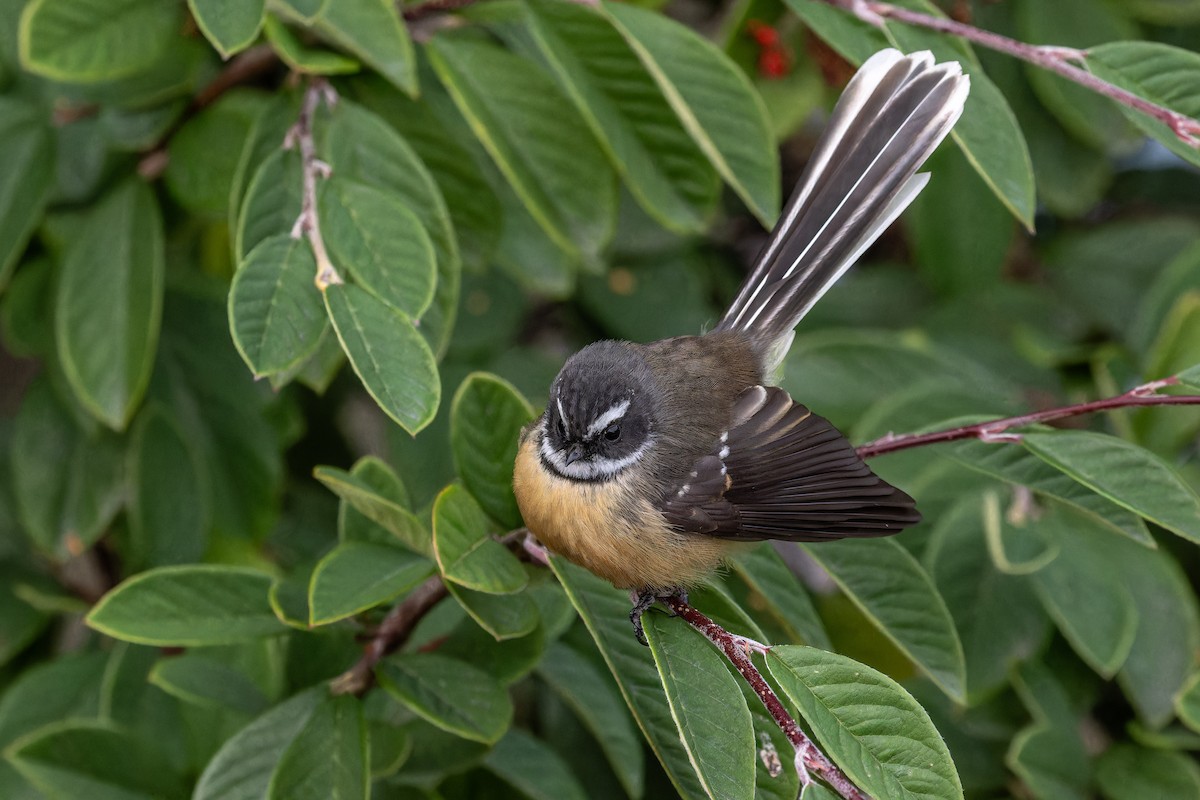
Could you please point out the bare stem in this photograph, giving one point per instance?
(301, 136)
(392, 633)
(1055, 59)
(809, 758)
(996, 430)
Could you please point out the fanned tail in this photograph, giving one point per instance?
(892, 115)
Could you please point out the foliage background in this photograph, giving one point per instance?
(564, 174)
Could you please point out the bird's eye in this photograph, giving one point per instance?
(562, 428)
(612, 432)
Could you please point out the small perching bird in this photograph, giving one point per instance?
(651, 461)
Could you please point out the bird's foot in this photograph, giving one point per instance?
(642, 600)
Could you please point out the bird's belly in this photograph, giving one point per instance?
(596, 526)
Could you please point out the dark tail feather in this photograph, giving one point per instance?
(892, 115)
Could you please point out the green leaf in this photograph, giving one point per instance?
(169, 510)
(1164, 12)
(1127, 772)
(305, 11)
(373, 475)
(66, 688)
(1018, 466)
(1104, 463)
(1084, 592)
(310, 60)
(187, 606)
(594, 699)
(714, 724)
(27, 181)
(231, 25)
(367, 495)
(374, 236)
(485, 424)
(95, 759)
(85, 41)
(109, 303)
(504, 616)
(507, 661)
(536, 138)
(466, 552)
(533, 768)
(899, 598)
(356, 576)
(389, 356)
(206, 681)
(1187, 703)
(713, 99)
(373, 31)
(867, 724)
(206, 152)
(363, 148)
(782, 595)
(452, 695)
(1159, 73)
(272, 202)
(275, 312)
(619, 100)
(20, 623)
(242, 769)
(328, 758)
(605, 611)
(1048, 755)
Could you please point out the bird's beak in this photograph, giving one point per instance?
(574, 453)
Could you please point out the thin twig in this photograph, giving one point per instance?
(809, 758)
(392, 633)
(301, 136)
(996, 430)
(1055, 59)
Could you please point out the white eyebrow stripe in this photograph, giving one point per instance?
(607, 418)
(562, 415)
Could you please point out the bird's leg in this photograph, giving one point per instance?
(642, 599)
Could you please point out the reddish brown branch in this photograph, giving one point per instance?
(996, 430)
(809, 758)
(391, 634)
(1054, 59)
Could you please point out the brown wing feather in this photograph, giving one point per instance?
(782, 472)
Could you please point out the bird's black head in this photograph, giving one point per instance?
(599, 419)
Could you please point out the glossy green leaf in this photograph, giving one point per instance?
(466, 552)
(188, 606)
(374, 476)
(664, 169)
(605, 611)
(26, 183)
(504, 616)
(362, 147)
(374, 236)
(378, 504)
(506, 660)
(1085, 593)
(200, 679)
(1103, 464)
(97, 760)
(1127, 772)
(485, 423)
(454, 696)
(373, 31)
(867, 724)
(109, 304)
(305, 11)
(169, 509)
(1187, 702)
(714, 724)
(782, 595)
(275, 312)
(95, 40)
(1160, 73)
(390, 357)
(272, 202)
(532, 767)
(301, 58)
(356, 576)
(898, 596)
(595, 700)
(1048, 755)
(231, 25)
(538, 141)
(713, 99)
(63, 689)
(1018, 466)
(242, 769)
(328, 758)
(206, 152)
